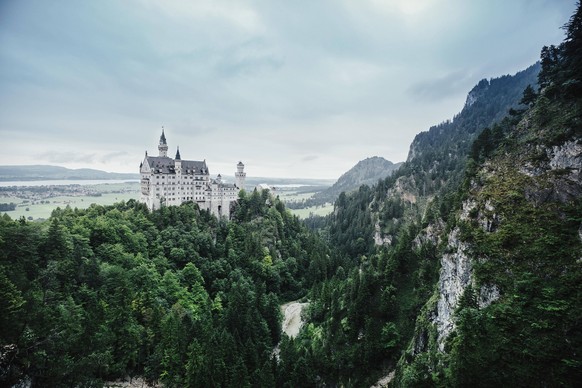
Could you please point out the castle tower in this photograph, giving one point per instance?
(178, 162)
(240, 175)
(163, 146)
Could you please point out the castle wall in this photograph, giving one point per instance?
(171, 182)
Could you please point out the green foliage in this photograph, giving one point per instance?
(561, 74)
(175, 295)
(364, 313)
(366, 317)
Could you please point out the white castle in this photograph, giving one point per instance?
(166, 181)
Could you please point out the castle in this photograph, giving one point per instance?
(166, 181)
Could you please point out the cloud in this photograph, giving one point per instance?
(451, 84)
(276, 84)
(309, 158)
(67, 157)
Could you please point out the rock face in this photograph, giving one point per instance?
(566, 156)
(455, 276)
(378, 238)
(558, 178)
(477, 92)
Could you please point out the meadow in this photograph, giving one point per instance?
(35, 206)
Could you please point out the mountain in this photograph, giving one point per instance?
(506, 306)
(463, 267)
(388, 242)
(431, 175)
(43, 172)
(366, 172)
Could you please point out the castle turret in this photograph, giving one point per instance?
(178, 162)
(163, 146)
(240, 175)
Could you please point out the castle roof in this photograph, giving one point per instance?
(166, 165)
(221, 184)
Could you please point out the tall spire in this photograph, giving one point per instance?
(163, 146)
(163, 137)
(178, 154)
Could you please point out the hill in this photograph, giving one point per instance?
(44, 172)
(366, 172)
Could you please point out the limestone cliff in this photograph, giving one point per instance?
(519, 223)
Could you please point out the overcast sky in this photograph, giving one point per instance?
(292, 88)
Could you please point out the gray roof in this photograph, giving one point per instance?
(166, 165)
(223, 185)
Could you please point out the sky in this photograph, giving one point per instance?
(294, 89)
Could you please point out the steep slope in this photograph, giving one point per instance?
(389, 241)
(426, 183)
(507, 304)
(510, 277)
(463, 267)
(438, 155)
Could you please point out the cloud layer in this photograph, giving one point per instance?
(294, 89)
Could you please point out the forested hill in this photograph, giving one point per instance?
(439, 154)
(506, 308)
(175, 295)
(462, 269)
(435, 165)
(365, 172)
(389, 236)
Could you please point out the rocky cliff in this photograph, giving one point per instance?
(509, 258)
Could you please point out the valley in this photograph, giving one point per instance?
(459, 267)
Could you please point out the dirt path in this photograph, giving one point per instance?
(292, 321)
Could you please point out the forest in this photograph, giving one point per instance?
(174, 296)
(462, 268)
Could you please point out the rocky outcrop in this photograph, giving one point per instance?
(477, 92)
(557, 177)
(379, 239)
(455, 276)
(566, 156)
(432, 234)
(404, 188)
(456, 272)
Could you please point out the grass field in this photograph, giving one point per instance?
(110, 194)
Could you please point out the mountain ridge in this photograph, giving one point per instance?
(50, 172)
